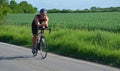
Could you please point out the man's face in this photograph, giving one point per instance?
(44, 13)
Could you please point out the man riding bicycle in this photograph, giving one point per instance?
(40, 21)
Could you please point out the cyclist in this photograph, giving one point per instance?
(40, 21)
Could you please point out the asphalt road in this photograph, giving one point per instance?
(16, 58)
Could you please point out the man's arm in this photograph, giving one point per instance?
(46, 21)
(37, 21)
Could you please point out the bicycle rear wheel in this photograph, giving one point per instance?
(43, 47)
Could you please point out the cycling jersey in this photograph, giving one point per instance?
(34, 26)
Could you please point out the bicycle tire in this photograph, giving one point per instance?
(36, 48)
(43, 47)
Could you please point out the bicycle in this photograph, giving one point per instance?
(41, 44)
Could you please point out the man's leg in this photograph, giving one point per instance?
(34, 39)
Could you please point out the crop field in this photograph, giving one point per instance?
(89, 36)
(108, 21)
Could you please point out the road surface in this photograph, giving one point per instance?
(16, 58)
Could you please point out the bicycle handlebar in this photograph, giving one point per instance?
(46, 29)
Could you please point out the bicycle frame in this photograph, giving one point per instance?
(42, 32)
(42, 43)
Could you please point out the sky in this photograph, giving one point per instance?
(72, 4)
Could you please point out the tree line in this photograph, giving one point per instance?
(12, 6)
(7, 6)
(92, 9)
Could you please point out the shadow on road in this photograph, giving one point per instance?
(14, 57)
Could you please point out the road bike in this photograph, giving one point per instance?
(41, 45)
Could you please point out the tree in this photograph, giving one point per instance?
(13, 5)
(22, 7)
(4, 2)
(4, 9)
(54, 11)
(93, 8)
(27, 8)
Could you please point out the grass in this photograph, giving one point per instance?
(15, 35)
(97, 46)
(19, 19)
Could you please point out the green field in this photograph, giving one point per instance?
(89, 36)
(108, 21)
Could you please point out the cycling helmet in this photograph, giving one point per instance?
(43, 10)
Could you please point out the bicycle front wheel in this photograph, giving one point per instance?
(43, 47)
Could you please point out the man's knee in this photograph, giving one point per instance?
(35, 36)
